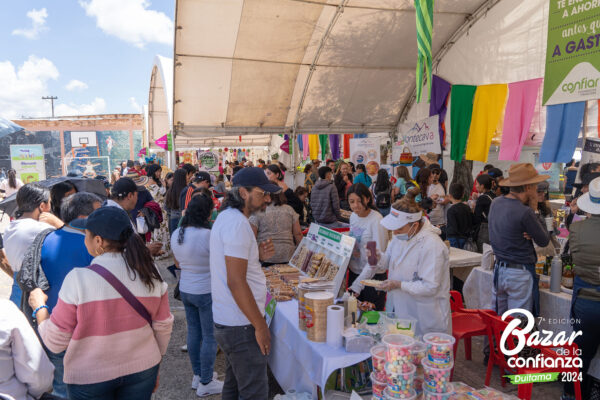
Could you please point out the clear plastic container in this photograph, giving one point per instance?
(398, 348)
(437, 380)
(411, 395)
(400, 380)
(394, 324)
(378, 387)
(378, 356)
(418, 351)
(439, 349)
(427, 395)
(358, 344)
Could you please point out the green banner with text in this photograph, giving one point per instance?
(533, 378)
(573, 53)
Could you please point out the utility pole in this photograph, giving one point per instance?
(51, 98)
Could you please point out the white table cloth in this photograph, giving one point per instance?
(462, 262)
(555, 308)
(296, 362)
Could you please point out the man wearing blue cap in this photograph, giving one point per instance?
(239, 288)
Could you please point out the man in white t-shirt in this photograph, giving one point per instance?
(239, 287)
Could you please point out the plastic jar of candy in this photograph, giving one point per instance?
(418, 351)
(378, 387)
(397, 349)
(427, 395)
(439, 349)
(437, 380)
(378, 357)
(401, 380)
(411, 395)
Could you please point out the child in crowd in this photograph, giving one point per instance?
(460, 218)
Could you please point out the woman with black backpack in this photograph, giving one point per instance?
(382, 192)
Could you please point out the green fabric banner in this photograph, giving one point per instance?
(573, 53)
(461, 111)
(324, 142)
(424, 14)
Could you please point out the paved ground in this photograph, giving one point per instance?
(176, 373)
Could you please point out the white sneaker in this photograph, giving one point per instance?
(214, 387)
(196, 380)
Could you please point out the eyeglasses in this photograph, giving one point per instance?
(263, 193)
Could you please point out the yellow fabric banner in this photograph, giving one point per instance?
(313, 146)
(488, 107)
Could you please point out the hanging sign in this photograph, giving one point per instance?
(364, 150)
(285, 147)
(572, 61)
(208, 161)
(28, 161)
(422, 138)
(165, 142)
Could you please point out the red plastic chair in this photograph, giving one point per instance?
(495, 328)
(465, 324)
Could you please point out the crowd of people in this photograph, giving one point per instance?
(85, 276)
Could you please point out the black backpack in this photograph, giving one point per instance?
(383, 199)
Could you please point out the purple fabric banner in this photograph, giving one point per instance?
(438, 105)
(334, 145)
(520, 108)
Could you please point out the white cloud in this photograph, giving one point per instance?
(134, 104)
(38, 24)
(75, 84)
(97, 106)
(23, 87)
(130, 21)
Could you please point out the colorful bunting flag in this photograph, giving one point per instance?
(438, 104)
(424, 13)
(461, 99)
(563, 124)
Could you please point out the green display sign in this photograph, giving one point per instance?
(573, 53)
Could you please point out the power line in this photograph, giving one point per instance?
(51, 98)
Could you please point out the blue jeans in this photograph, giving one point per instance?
(513, 288)
(59, 388)
(173, 223)
(138, 386)
(456, 242)
(245, 365)
(202, 346)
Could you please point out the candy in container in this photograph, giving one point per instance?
(437, 380)
(411, 395)
(400, 380)
(439, 349)
(378, 357)
(427, 395)
(397, 349)
(378, 387)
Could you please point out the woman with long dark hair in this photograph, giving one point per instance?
(276, 175)
(172, 199)
(362, 176)
(113, 345)
(191, 249)
(59, 192)
(11, 184)
(365, 227)
(32, 217)
(158, 190)
(343, 181)
(382, 192)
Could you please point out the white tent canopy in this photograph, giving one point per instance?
(255, 67)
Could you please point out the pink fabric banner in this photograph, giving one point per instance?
(517, 117)
(305, 150)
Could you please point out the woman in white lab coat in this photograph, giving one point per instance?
(416, 259)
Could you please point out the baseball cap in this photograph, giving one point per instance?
(254, 176)
(203, 176)
(495, 173)
(123, 187)
(396, 219)
(111, 223)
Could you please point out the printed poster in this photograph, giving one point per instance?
(422, 138)
(28, 161)
(590, 153)
(366, 151)
(553, 169)
(572, 57)
(209, 161)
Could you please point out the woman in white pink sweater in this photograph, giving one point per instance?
(112, 318)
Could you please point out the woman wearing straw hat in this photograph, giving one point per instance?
(513, 225)
(585, 304)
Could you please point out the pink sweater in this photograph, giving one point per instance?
(104, 336)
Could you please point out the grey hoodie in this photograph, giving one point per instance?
(325, 202)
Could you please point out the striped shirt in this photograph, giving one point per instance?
(104, 337)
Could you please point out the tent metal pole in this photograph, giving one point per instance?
(585, 121)
(464, 28)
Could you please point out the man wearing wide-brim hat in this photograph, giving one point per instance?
(513, 225)
(585, 310)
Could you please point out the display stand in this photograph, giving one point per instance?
(335, 246)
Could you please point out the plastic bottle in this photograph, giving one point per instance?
(567, 277)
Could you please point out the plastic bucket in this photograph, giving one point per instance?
(378, 387)
(378, 356)
(427, 395)
(439, 349)
(398, 348)
(411, 395)
(436, 380)
(401, 380)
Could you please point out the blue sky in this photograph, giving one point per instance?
(95, 55)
